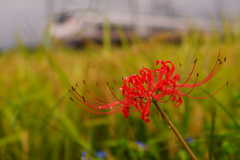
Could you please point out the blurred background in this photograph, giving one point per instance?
(46, 46)
(29, 20)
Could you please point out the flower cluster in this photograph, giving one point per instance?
(140, 90)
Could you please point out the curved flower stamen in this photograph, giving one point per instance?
(215, 69)
(93, 108)
(191, 73)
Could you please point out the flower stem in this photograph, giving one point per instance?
(175, 131)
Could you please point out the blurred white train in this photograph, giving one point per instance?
(140, 17)
(77, 27)
(76, 20)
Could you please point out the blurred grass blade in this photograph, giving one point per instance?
(106, 36)
(57, 68)
(211, 137)
(72, 131)
(10, 139)
(224, 108)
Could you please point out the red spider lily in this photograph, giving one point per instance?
(139, 91)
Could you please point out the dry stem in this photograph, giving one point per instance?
(175, 131)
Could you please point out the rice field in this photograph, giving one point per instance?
(38, 121)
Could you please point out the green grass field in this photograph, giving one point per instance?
(38, 121)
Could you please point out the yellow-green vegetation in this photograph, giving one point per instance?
(38, 121)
